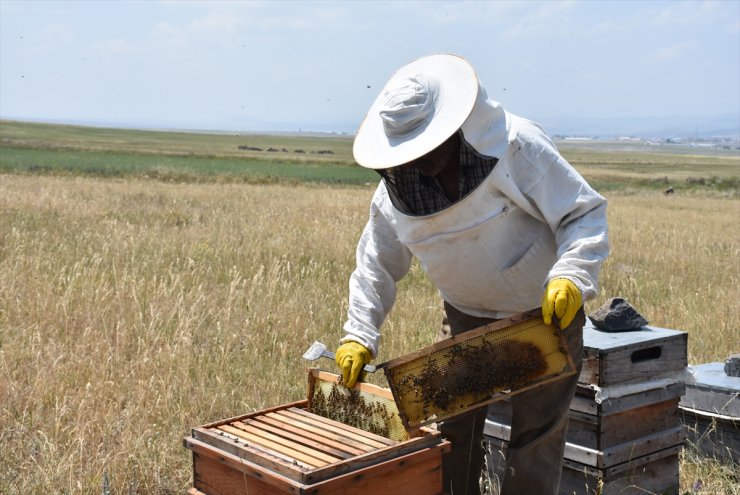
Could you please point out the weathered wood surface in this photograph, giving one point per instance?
(415, 473)
(300, 403)
(602, 431)
(649, 476)
(216, 471)
(288, 450)
(584, 400)
(605, 431)
(654, 473)
(610, 358)
(611, 456)
(712, 435)
(713, 391)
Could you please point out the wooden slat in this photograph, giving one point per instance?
(464, 337)
(417, 473)
(321, 431)
(305, 438)
(371, 458)
(642, 477)
(300, 403)
(369, 388)
(614, 455)
(288, 441)
(239, 444)
(603, 432)
(215, 478)
(584, 400)
(273, 447)
(300, 429)
(245, 469)
(366, 436)
(277, 462)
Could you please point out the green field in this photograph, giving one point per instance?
(143, 293)
(198, 157)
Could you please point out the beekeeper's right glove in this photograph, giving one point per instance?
(561, 301)
(351, 357)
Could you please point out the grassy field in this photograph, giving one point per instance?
(132, 309)
(192, 157)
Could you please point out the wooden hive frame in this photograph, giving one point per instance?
(526, 328)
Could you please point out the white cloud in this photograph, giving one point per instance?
(690, 13)
(165, 34)
(114, 47)
(221, 22)
(56, 34)
(539, 20)
(669, 53)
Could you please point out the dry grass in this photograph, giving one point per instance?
(675, 259)
(133, 310)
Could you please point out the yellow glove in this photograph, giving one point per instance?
(351, 357)
(562, 299)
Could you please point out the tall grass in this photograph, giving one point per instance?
(133, 310)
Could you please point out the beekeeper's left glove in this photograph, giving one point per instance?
(351, 357)
(562, 300)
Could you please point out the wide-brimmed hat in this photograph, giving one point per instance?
(423, 104)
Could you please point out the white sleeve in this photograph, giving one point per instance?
(381, 262)
(576, 214)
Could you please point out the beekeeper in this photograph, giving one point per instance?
(499, 221)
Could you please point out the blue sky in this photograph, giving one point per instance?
(265, 65)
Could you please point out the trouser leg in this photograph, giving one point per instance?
(461, 467)
(539, 420)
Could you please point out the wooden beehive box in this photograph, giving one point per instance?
(710, 411)
(657, 472)
(585, 399)
(650, 465)
(610, 358)
(289, 450)
(616, 428)
(627, 443)
(610, 457)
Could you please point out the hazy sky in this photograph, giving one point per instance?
(255, 64)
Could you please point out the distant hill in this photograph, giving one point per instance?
(722, 126)
(725, 126)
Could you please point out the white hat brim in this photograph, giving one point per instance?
(458, 89)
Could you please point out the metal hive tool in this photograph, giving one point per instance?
(476, 368)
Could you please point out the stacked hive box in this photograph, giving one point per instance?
(624, 432)
(710, 411)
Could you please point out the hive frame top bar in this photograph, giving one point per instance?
(463, 337)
